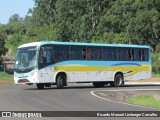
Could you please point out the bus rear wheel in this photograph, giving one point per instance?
(40, 85)
(98, 84)
(60, 81)
(118, 81)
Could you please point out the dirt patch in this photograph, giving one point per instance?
(122, 96)
(2, 82)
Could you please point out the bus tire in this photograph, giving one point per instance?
(60, 81)
(40, 86)
(118, 81)
(98, 84)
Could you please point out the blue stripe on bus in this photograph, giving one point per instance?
(101, 63)
(126, 64)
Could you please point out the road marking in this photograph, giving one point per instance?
(92, 92)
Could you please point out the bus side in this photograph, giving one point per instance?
(93, 64)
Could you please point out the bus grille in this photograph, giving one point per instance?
(23, 80)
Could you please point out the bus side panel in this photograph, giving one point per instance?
(80, 72)
(46, 75)
(89, 76)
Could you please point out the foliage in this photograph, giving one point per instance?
(154, 75)
(128, 21)
(100, 21)
(156, 63)
(2, 43)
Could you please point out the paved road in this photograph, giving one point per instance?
(72, 98)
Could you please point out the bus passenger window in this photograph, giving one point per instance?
(131, 54)
(84, 53)
(146, 54)
(141, 55)
(48, 56)
(88, 54)
(43, 55)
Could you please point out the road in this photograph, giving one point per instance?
(72, 98)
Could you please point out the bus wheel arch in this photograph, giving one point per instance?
(118, 79)
(61, 80)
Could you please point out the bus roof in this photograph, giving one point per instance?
(79, 44)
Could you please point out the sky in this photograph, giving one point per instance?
(11, 7)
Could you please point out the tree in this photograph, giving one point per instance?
(44, 12)
(145, 25)
(2, 43)
(15, 25)
(105, 21)
(15, 18)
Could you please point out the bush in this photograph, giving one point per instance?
(156, 63)
(0, 60)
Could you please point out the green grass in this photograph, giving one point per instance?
(5, 78)
(155, 75)
(145, 100)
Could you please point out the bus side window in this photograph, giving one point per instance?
(146, 54)
(48, 55)
(84, 53)
(42, 55)
(106, 53)
(136, 55)
(113, 54)
(45, 55)
(75, 53)
(121, 54)
(98, 53)
(95, 53)
(88, 54)
(131, 54)
(141, 54)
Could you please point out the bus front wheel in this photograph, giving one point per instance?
(60, 81)
(118, 81)
(40, 85)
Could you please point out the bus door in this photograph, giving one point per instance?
(45, 62)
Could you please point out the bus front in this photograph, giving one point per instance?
(25, 71)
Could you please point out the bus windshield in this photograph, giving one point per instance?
(26, 59)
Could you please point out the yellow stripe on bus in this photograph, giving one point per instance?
(101, 68)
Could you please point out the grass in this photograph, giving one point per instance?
(5, 78)
(144, 100)
(155, 75)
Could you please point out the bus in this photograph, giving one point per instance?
(59, 63)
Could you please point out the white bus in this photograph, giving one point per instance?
(60, 63)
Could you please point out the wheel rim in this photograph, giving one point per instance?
(118, 80)
(61, 81)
